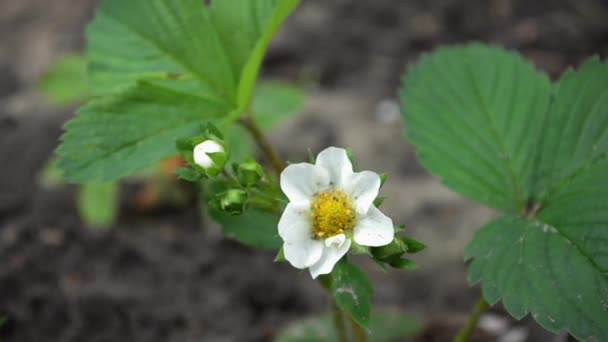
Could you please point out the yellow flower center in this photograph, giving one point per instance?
(332, 214)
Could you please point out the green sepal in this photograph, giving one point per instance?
(311, 157)
(351, 157)
(412, 245)
(187, 174)
(404, 264)
(358, 249)
(233, 201)
(219, 160)
(210, 131)
(385, 253)
(280, 257)
(383, 178)
(378, 201)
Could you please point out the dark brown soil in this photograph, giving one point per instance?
(159, 276)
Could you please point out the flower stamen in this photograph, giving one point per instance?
(332, 214)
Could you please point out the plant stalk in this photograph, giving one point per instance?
(358, 331)
(467, 330)
(338, 322)
(271, 155)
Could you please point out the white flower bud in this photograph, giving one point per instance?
(200, 153)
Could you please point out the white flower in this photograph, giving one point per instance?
(330, 205)
(200, 153)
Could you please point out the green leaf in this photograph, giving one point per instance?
(575, 134)
(385, 326)
(352, 291)
(118, 135)
(274, 101)
(475, 114)
(66, 82)
(537, 267)
(136, 39)
(494, 130)
(253, 227)
(98, 203)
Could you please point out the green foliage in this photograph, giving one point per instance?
(98, 203)
(384, 326)
(497, 131)
(352, 291)
(253, 227)
(65, 83)
(117, 135)
(159, 68)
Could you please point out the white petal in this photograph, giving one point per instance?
(295, 223)
(331, 255)
(374, 229)
(200, 152)
(302, 181)
(304, 253)
(335, 241)
(363, 188)
(336, 162)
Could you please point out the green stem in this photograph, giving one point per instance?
(358, 331)
(271, 155)
(467, 330)
(338, 321)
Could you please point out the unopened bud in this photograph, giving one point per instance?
(250, 173)
(210, 155)
(233, 201)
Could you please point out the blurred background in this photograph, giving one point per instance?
(159, 274)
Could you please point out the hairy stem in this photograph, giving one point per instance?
(271, 155)
(467, 330)
(338, 322)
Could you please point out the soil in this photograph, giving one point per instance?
(166, 274)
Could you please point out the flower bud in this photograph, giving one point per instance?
(210, 155)
(249, 173)
(233, 201)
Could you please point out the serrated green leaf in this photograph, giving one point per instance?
(115, 136)
(539, 268)
(275, 101)
(253, 227)
(575, 134)
(551, 263)
(352, 291)
(66, 81)
(475, 114)
(385, 326)
(136, 39)
(98, 204)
